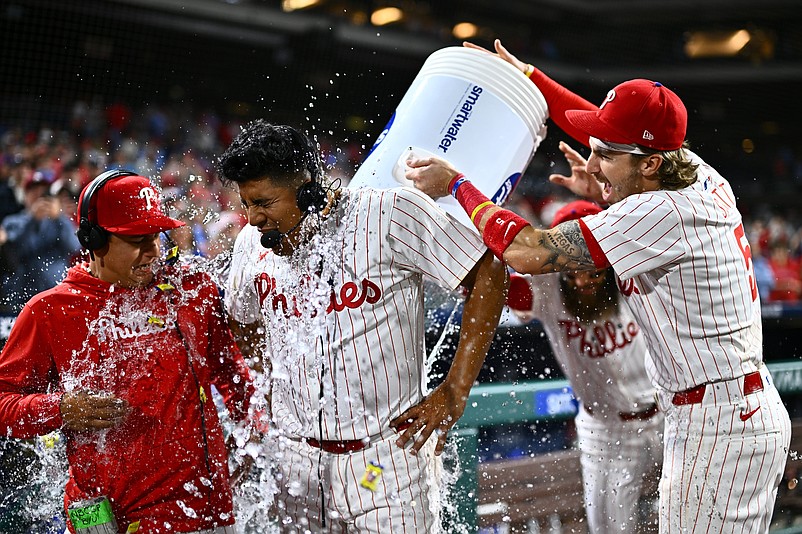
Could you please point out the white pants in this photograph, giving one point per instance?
(724, 459)
(229, 529)
(322, 492)
(616, 456)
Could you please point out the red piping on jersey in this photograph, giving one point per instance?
(596, 253)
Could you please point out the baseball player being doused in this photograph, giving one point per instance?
(334, 278)
(675, 239)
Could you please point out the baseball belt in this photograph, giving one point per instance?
(694, 395)
(349, 445)
(643, 415)
(648, 413)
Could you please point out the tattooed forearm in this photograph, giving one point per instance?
(566, 248)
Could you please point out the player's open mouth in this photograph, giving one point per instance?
(606, 187)
(144, 268)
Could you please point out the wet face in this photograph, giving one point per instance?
(585, 283)
(128, 260)
(619, 173)
(272, 207)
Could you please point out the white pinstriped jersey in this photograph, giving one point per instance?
(604, 359)
(347, 341)
(684, 264)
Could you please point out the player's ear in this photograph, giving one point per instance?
(649, 165)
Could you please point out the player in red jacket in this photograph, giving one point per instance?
(121, 356)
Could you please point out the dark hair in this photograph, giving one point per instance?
(606, 298)
(264, 150)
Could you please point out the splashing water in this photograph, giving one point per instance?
(255, 496)
(443, 310)
(34, 475)
(299, 332)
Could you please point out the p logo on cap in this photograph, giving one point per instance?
(128, 205)
(610, 98)
(149, 195)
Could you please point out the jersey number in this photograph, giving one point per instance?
(743, 244)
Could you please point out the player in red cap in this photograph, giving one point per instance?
(121, 357)
(602, 352)
(675, 238)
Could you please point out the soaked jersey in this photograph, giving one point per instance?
(604, 359)
(685, 267)
(161, 348)
(344, 314)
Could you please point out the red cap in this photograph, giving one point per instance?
(129, 205)
(639, 112)
(574, 210)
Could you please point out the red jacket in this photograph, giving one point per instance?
(166, 464)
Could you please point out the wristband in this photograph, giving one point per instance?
(529, 70)
(501, 229)
(479, 208)
(481, 213)
(471, 199)
(455, 182)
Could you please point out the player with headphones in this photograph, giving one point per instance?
(336, 305)
(129, 346)
(310, 197)
(295, 173)
(135, 209)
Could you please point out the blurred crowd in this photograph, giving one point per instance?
(44, 167)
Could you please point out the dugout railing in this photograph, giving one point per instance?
(527, 402)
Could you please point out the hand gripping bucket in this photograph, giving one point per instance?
(471, 108)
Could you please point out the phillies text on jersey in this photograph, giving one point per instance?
(345, 337)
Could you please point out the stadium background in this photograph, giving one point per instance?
(103, 81)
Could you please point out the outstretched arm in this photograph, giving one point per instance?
(522, 247)
(486, 285)
(535, 251)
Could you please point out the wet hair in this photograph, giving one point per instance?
(262, 150)
(677, 171)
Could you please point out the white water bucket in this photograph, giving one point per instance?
(471, 108)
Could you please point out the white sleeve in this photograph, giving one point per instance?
(426, 239)
(641, 233)
(241, 300)
(543, 290)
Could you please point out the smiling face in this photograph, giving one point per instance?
(272, 207)
(585, 283)
(623, 174)
(127, 260)
(589, 295)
